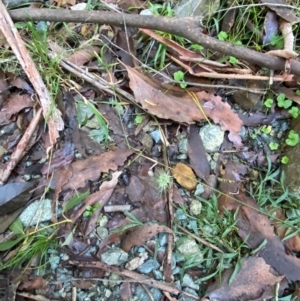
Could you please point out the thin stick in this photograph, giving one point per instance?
(188, 28)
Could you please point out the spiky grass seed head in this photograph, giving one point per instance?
(162, 179)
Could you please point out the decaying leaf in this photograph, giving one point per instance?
(82, 56)
(274, 255)
(91, 168)
(256, 280)
(15, 104)
(197, 154)
(183, 108)
(185, 176)
(255, 228)
(141, 234)
(100, 197)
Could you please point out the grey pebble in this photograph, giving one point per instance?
(115, 256)
(148, 266)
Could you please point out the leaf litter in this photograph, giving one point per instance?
(82, 176)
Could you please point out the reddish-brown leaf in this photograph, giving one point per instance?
(15, 104)
(183, 108)
(141, 234)
(92, 167)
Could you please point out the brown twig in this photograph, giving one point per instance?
(185, 27)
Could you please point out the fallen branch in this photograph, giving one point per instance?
(185, 27)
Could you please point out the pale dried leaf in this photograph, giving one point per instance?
(185, 176)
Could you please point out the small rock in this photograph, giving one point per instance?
(187, 298)
(114, 280)
(185, 176)
(134, 263)
(64, 257)
(183, 146)
(195, 207)
(182, 157)
(147, 142)
(37, 212)
(189, 247)
(54, 261)
(156, 136)
(162, 239)
(212, 137)
(177, 270)
(146, 12)
(148, 266)
(115, 256)
(158, 275)
(102, 232)
(180, 215)
(199, 189)
(188, 281)
(108, 293)
(102, 220)
(142, 295)
(213, 164)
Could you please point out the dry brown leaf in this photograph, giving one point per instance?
(15, 104)
(255, 227)
(274, 255)
(251, 283)
(92, 167)
(101, 197)
(182, 108)
(197, 154)
(185, 176)
(89, 169)
(82, 56)
(141, 234)
(32, 283)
